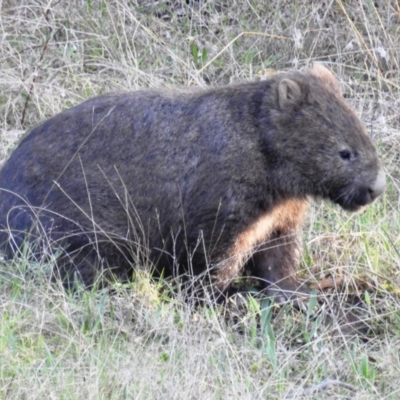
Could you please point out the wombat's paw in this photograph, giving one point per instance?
(297, 293)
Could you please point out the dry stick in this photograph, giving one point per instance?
(9, 386)
(38, 66)
(234, 40)
(34, 80)
(360, 38)
(323, 385)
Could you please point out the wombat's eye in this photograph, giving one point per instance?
(345, 154)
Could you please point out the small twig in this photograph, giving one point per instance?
(391, 242)
(38, 66)
(9, 386)
(234, 40)
(323, 385)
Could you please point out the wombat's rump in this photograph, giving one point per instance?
(205, 181)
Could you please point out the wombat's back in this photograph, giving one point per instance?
(145, 169)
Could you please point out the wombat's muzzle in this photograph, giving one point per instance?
(357, 194)
(379, 185)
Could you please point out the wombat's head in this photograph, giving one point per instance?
(325, 142)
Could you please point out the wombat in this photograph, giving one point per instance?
(201, 182)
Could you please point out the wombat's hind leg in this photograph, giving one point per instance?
(78, 267)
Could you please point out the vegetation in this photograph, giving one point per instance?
(142, 340)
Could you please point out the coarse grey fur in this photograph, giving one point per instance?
(209, 181)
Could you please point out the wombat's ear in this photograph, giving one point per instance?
(289, 93)
(325, 75)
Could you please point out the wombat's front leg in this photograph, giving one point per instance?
(275, 263)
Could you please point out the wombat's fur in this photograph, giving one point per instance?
(210, 181)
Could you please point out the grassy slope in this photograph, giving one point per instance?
(137, 342)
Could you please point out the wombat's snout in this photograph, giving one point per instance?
(358, 194)
(379, 185)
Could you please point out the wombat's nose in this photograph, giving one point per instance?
(378, 186)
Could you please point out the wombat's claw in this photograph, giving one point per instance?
(298, 297)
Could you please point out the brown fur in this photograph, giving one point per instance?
(209, 181)
(285, 218)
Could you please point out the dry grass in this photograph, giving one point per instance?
(139, 341)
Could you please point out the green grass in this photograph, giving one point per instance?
(142, 340)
